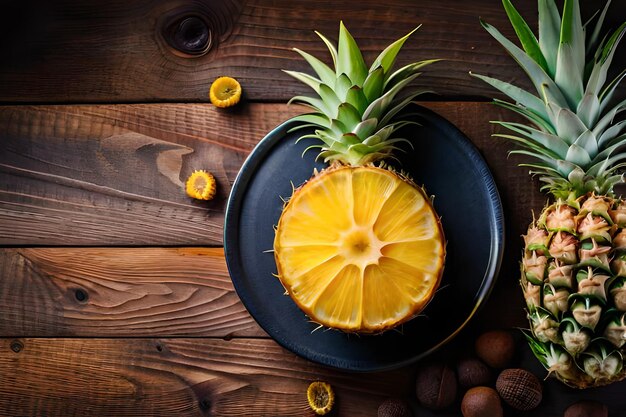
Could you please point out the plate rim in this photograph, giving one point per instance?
(496, 231)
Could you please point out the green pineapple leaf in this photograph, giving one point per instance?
(608, 117)
(549, 28)
(350, 139)
(570, 61)
(609, 48)
(366, 128)
(398, 106)
(354, 105)
(552, 142)
(543, 83)
(342, 85)
(348, 115)
(325, 74)
(597, 78)
(522, 97)
(607, 159)
(330, 46)
(589, 109)
(568, 125)
(329, 98)
(374, 84)
(594, 39)
(349, 58)
(315, 119)
(566, 167)
(317, 105)
(407, 71)
(612, 134)
(379, 106)
(529, 115)
(525, 35)
(533, 146)
(568, 76)
(387, 57)
(607, 93)
(588, 142)
(356, 97)
(307, 79)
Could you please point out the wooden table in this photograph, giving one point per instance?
(115, 298)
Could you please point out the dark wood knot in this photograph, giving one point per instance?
(205, 404)
(190, 35)
(17, 346)
(81, 295)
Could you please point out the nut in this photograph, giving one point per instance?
(481, 402)
(394, 407)
(496, 348)
(519, 388)
(473, 372)
(436, 386)
(587, 408)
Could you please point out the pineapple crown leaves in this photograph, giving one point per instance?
(572, 134)
(354, 113)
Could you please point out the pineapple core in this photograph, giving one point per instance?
(361, 246)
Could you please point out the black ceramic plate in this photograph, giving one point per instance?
(466, 198)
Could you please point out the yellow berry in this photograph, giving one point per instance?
(201, 185)
(321, 397)
(225, 92)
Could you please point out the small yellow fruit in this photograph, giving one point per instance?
(201, 185)
(225, 92)
(321, 397)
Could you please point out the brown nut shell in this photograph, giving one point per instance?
(472, 372)
(436, 385)
(496, 348)
(519, 388)
(394, 407)
(481, 402)
(587, 408)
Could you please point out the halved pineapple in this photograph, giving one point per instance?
(359, 248)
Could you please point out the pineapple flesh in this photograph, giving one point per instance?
(573, 267)
(358, 246)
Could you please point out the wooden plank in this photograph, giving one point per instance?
(119, 292)
(200, 377)
(118, 51)
(175, 377)
(102, 175)
(151, 292)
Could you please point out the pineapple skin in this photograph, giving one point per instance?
(572, 270)
(573, 273)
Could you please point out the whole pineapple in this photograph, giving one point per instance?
(574, 263)
(358, 247)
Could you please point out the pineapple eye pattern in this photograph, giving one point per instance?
(573, 268)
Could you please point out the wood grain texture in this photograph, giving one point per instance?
(208, 377)
(103, 175)
(151, 292)
(175, 377)
(115, 51)
(119, 292)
